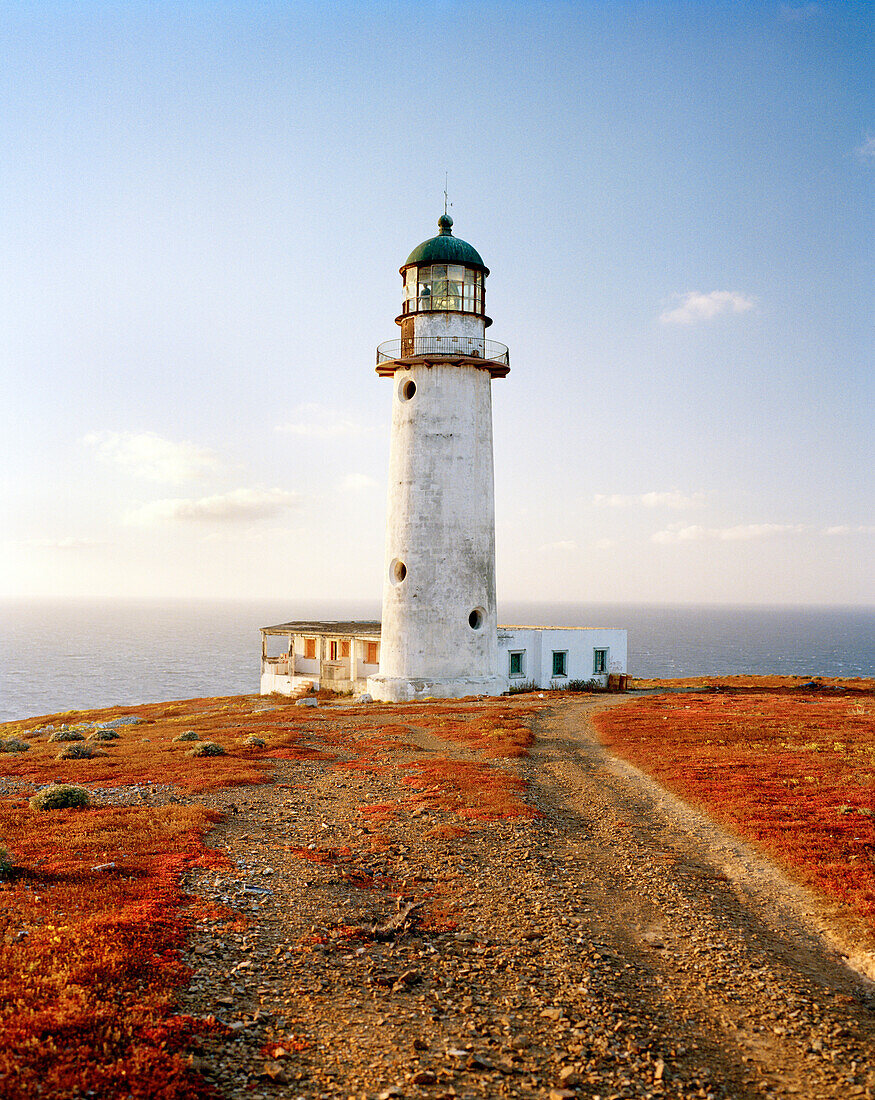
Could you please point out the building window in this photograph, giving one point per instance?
(560, 662)
(310, 649)
(332, 651)
(516, 663)
(370, 653)
(599, 660)
(344, 649)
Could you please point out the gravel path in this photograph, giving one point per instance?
(616, 946)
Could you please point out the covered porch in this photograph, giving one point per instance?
(335, 656)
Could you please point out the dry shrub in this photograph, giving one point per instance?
(188, 735)
(60, 796)
(60, 736)
(103, 735)
(13, 744)
(793, 773)
(79, 751)
(206, 748)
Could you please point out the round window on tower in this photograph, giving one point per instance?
(397, 571)
(406, 389)
(477, 618)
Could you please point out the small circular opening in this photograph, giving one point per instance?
(407, 389)
(476, 618)
(397, 571)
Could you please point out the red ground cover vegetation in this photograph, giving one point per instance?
(474, 792)
(794, 773)
(93, 920)
(857, 685)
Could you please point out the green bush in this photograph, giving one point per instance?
(103, 735)
(583, 685)
(189, 735)
(206, 748)
(79, 752)
(7, 863)
(522, 686)
(61, 796)
(12, 744)
(67, 735)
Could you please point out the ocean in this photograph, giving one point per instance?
(69, 655)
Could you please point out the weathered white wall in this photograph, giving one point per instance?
(539, 644)
(451, 324)
(441, 525)
(273, 684)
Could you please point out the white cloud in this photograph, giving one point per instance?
(850, 529)
(742, 532)
(673, 499)
(798, 13)
(62, 544)
(320, 422)
(605, 544)
(745, 531)
(866, 151)
(563, 544)
(677, 533)
(356, 483)
(696, 306)
(238, 506)
(149, 456)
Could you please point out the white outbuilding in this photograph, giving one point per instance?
(343, 656)
(556, 657)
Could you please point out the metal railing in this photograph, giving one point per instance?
(471, 346)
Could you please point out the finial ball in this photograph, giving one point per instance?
(445, 222)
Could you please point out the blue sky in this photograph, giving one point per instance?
(203, 208)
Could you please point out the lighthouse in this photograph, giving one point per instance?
(439, 632)
(439, 635)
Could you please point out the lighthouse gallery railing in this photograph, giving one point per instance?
(473, 347)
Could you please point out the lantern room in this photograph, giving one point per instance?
(443, 275)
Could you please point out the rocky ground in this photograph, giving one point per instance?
(616, 946)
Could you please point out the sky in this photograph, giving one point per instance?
(203, 209)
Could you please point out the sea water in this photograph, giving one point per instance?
(69, 655)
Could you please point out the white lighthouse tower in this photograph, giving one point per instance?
(439, 626)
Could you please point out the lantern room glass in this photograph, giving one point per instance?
(443, 287)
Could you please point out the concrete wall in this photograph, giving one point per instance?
(447, 325)
(538, 645)
(441, 526)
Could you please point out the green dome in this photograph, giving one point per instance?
(445, 249)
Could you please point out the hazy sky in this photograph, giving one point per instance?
(203, 208)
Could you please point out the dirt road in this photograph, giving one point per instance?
(616, 946)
